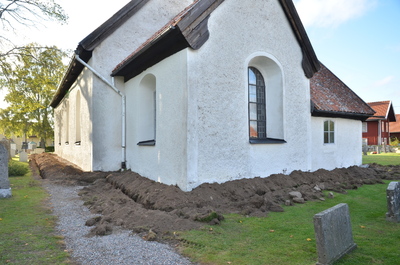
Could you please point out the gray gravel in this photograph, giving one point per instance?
(121, 247)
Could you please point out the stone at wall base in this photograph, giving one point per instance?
(5, 193)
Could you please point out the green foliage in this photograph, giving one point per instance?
(394, 141)
(31, 85)
(49, 149)
(27, 227)
(16, 168)
(288, 237)
(384, 159)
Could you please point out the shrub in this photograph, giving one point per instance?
(16, 168)
(49, 149)
(395, 142)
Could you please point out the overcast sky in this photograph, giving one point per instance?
(358, 40)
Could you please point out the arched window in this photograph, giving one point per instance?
(78, 118)
(265, 101)
(329, 132)
(257, 110)
(147, 107)
(67, 124)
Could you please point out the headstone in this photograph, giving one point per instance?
(23, 156)
(5, 190)
(333, 234)
(393, 202)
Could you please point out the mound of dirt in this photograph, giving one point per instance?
(133, 202)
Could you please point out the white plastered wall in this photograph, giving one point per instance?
(347, 149)
(66, 125)
(166, 160)
(106, 113)
(218, 137)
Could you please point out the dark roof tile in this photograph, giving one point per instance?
(330, 95)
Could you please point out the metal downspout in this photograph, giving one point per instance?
(123, 98)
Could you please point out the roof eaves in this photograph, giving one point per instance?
(310, 61)
(188, 29)
(90, 42)
(338, 114)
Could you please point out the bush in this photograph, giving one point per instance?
(16, 168)
(394, 141)
(49, 149)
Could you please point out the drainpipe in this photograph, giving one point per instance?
(123, 98)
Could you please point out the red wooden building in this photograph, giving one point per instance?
(376, 128)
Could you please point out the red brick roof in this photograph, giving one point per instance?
(330, 95)
(394, 126)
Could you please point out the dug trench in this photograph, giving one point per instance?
(154, 210)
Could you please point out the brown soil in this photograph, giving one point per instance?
(136, 203)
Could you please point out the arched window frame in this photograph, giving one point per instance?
(329, 132)
(148, 107)
(257, 109)
(271, 71)
(78, 118)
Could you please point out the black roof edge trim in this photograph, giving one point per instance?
(310, 62)
(107, 28)
(70, 76)
(167, 44)
(339, 114)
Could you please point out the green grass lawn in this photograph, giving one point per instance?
(288, 237)
(382, 159)
(27, 234)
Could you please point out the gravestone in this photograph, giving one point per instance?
(5, 190)
(393, 202)
(23, 156)
(333, 234)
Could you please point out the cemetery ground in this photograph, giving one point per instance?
(27, 233)
(251, 223)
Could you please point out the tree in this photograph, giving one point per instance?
(26, 13)
(31, 85)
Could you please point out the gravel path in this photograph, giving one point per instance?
(121, 247)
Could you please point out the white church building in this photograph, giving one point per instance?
(186, 92)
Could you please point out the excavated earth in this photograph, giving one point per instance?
(133, 202)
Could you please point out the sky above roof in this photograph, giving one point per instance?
(357, 40)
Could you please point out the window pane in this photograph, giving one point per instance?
(326, 138)
(326, 126)
(253, 129)
(253, 111)
(252, 77)
(252, 93)
(261, 95)
(331, 137)
(261, 112)
(332, 126)
(261, 129)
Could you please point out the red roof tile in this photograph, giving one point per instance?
(329, 94)
(381, 108)
(395, 125)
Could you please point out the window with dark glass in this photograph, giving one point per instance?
(257, 110)
(329, 132)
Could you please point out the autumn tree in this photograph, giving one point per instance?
(31, 85)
